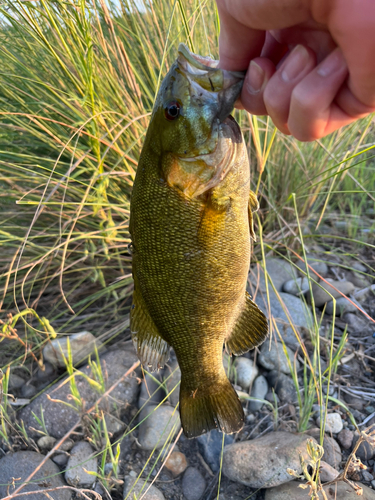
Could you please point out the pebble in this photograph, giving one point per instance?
(82, 344)
(332, 453)
(176, 463)
(345, 438)
(59, 418)
(156, 429)
(354, 402)
(279, 270)
(342, 306)
(272, 357)
(193, 484)
(139, 489)
(373, 484)
(359, 280)
(113, 424)
(45, 372)
(172, 376)
(357, 324)
(365, 451)
(321, 296)
(81, 458)
(61, 459)
(15, 381)
(337, 491)
(151, 392)
(295, 287)
(262, 462)
(367, 476)
(28, 391)
(318, 265)
(244, 372)
(46, 442)
(284, 386)
(334, 423)
(259, 391)
(327, 472)
(210, 445)
(20, 465)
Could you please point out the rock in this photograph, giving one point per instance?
(334, 423)
(342, 306)
(46, 372)
(176, 463)
(262, 463)
(210, 445)
(139, 490)
(365, 451)
(354, 402)
(61, 459)
(295, 287)
(272, 357)
(193, 484)
(367, 476)
(82, 344)
(259, 391)
(81, 457)
(321, 296)
(279, 270)
(15, 381)
(113, 424)
(337, 491)
(151, 391)
(156, 429)
(270, 396)
(345, 438)
(20, 465)
(332, 453)
(298, 310)
(317, 264)
(67, 445)
(172, 377)
(244, 372)
(357, 324)
(327, 472)
(28, 391)
(59, 418)
(284, 386)
(46, 442)
(358, 266)
(359, 280)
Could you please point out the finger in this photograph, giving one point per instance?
(313, 113)
(259, 73)
(278, 91)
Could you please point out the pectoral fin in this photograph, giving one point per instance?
(250, 330)
(152, 349)
(253, 207)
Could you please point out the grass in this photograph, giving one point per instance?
(77, 84)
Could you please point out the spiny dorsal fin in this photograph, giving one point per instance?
(152, 349)
(250, 330)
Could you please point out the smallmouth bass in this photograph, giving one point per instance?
(190, 225)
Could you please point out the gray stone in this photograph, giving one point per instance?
(46, 372)
(321, 296)
(284, 386)
(299, 312)
(20, 465)
(28, 391)
(193, 484)
(272, 357)
(359, 280)
(244, 372)
(279, 271)
(46, 442)
(113, 424)
(345, 438)
(81, 457)
(337, 491)
(332, 453)
(157, 427)
(259, 391)
(139, 489)
(327, 472)
(297, 286)
(365, 451)
(59, 418)
(317, 264)
(357, 324)
(358, 266)
(210, 445)
(367, 476)
(354, 402)
(334, 423)
(342, 306)
(15, 381)
(82, 344)
(151, 391)
(263, 462)
(172, 378)
(61, 459)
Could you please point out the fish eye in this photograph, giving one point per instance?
(172, 110)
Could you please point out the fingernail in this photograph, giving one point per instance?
(332, 63)
(295, 63)
(255, 78)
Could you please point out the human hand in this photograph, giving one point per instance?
(310, 63)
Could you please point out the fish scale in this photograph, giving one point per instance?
(190, 226)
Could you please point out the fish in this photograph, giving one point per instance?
(190, 224)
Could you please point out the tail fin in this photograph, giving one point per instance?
(209, 408)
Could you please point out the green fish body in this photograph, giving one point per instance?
(190, 224)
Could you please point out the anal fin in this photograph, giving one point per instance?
(250, 330)
(152, 349)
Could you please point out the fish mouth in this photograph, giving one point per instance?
(203, 72)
